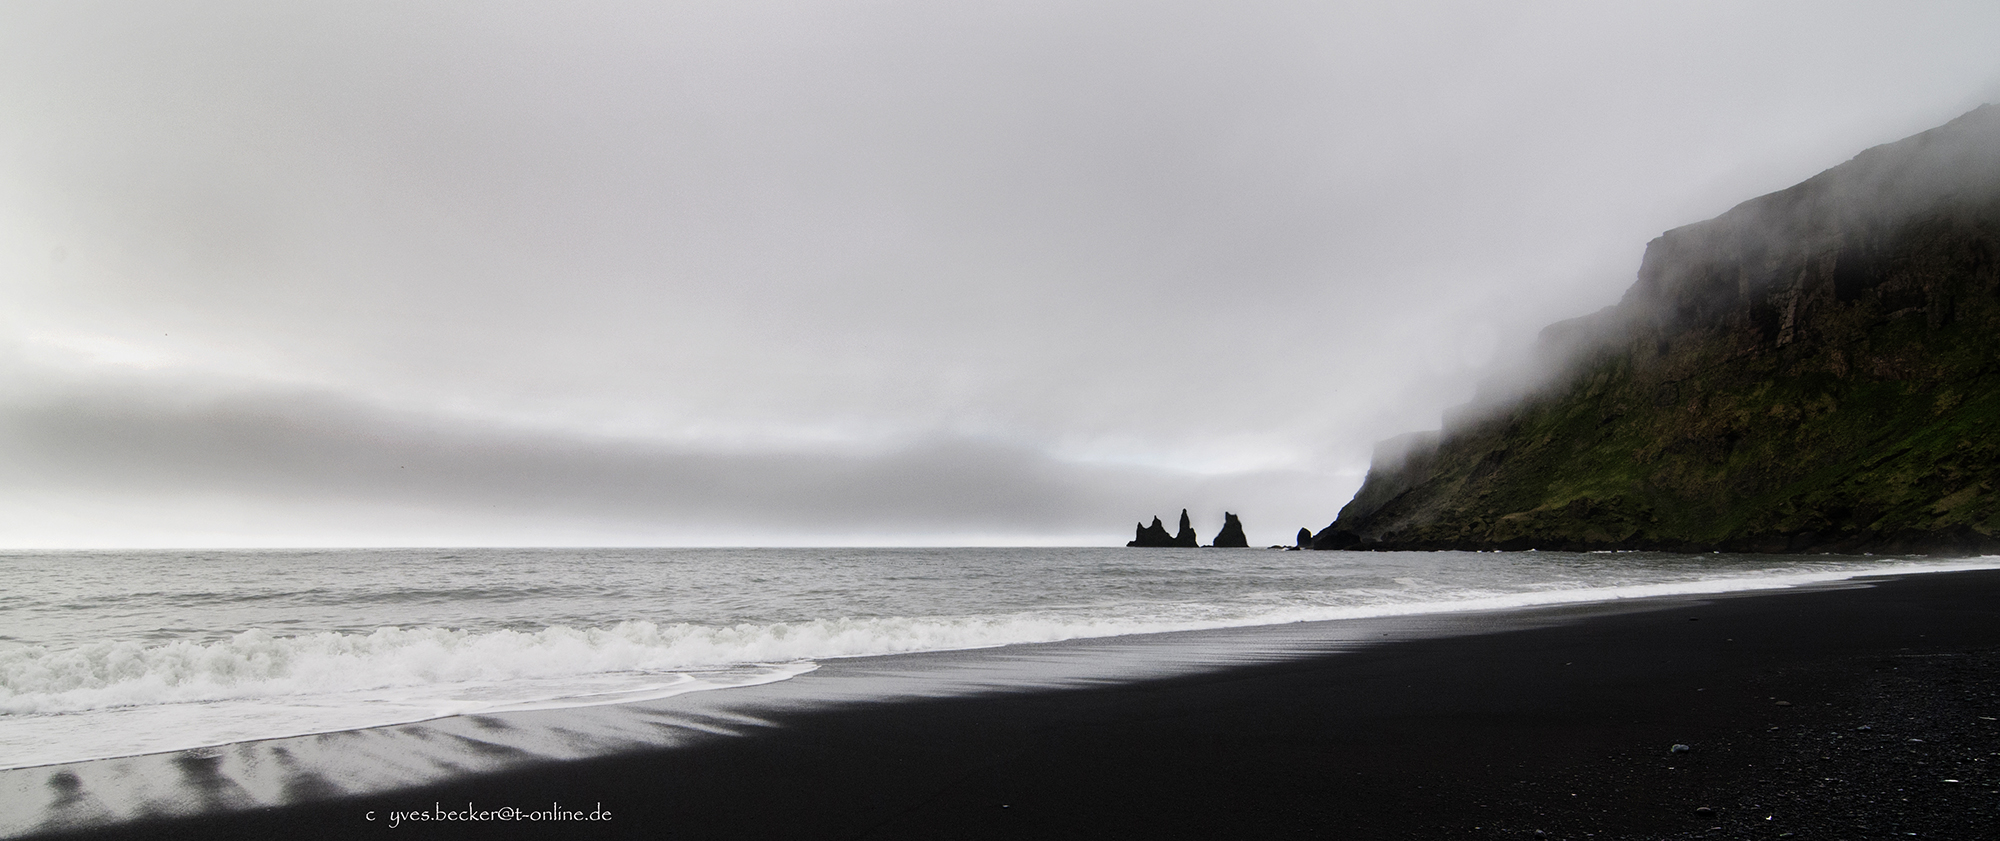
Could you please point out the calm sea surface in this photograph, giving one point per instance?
(122, 653)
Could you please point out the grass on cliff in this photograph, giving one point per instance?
(1893, 437)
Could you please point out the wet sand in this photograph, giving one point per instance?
(1846, 712)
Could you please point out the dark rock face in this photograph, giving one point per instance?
(1816, 370)
(1305, 539)
(1231, 536)
(1185, 537)
(1154, 535)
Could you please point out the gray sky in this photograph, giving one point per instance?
(856, 272)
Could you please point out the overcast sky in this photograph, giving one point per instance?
(695, 273)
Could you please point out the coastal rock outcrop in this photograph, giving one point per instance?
(1154, 536)
(1815, 370)
(1231, 536)
(1186, 537)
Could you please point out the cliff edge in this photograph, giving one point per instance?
(1817, 369)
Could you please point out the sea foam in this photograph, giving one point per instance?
(502, 667)
(125, 696)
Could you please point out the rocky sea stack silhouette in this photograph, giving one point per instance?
(1231, 535)
(1816, 370)
(1155, 535)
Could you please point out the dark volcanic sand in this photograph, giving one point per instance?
(1557, 732)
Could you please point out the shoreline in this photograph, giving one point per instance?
(268, 719)
(1943, 545)
(1552, 719)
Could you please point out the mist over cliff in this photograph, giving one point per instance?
(1817, 369)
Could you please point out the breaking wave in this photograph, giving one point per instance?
(449, 670)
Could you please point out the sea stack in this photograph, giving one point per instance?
(1186, 537)
(1231, 536)
(1153, 536)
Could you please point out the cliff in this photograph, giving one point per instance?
(1817, 369)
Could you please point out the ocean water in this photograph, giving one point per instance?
(124, 653)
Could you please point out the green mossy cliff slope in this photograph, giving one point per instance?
(1816, 370)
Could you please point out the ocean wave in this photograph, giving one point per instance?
(508, 666)
(260, 664)
(142, 693)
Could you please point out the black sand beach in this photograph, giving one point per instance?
(1851, 712)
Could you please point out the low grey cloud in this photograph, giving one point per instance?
(884, 271)
(305, 468)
